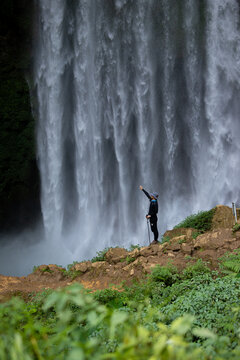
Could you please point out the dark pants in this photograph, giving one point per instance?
(154, 228)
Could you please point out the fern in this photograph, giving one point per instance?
(230, 263)
(232, 266)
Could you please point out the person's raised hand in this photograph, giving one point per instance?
(140, 187)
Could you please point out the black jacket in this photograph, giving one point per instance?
(153, 207)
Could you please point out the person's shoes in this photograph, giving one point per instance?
(154, 242)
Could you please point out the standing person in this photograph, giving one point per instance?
(152, 213)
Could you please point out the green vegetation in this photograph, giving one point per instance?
(170, 315)
(165, 239)
(100, 255)
(235, 228)
(133, 247)
(129, 259)
(230, 263)
(196, 234)
(201, 221)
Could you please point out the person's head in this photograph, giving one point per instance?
(154, 195)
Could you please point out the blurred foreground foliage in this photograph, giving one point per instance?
(192, 315)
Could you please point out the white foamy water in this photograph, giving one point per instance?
(129, 93)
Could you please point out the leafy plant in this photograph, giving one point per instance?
(133, 247)
(230, 263)
(100, 255)
(235, 228)
(70, 266)
(182, 241)
(146, 321)
(166, 274)
(211, 302)
(198, 268)
(165, 239)
(111, 297)
(196, 234)
(130, 259)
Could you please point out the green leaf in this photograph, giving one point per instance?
(204, 333)
(182, 325)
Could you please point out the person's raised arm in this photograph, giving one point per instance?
(145, 192)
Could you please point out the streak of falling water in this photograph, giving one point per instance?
(129, 93)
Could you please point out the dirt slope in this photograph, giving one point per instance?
(120, 265)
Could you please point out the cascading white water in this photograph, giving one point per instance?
(135, 92)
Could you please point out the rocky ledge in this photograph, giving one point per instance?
(184, 246)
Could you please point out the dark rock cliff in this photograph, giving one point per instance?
(19, 176)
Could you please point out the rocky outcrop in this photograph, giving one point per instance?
(223, 218)
(188, 232)
(115, 255)
(120, 265)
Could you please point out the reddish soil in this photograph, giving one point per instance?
(123, 266)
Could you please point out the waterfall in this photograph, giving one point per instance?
(135, 92)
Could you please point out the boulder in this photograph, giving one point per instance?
(50, 272)
(99, 265)
(179, 239)
(132, 272)
(48, 269)
(213, 240)
(207, 255)
(128, 267)
(114, 255)
(188, 232)
(147, 267)
(187, 249)
(175, 243)
(134, 254)
(83, 266)
(223, 218)
(173, 246)
(150, 250)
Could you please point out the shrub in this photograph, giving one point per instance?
(165, 239)
(100, 255)
(163, 296)
(198, 268)
(84, 329)
(165, 274)
(201, 221)
(211, 302)
(112, 298)
(235, 228)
